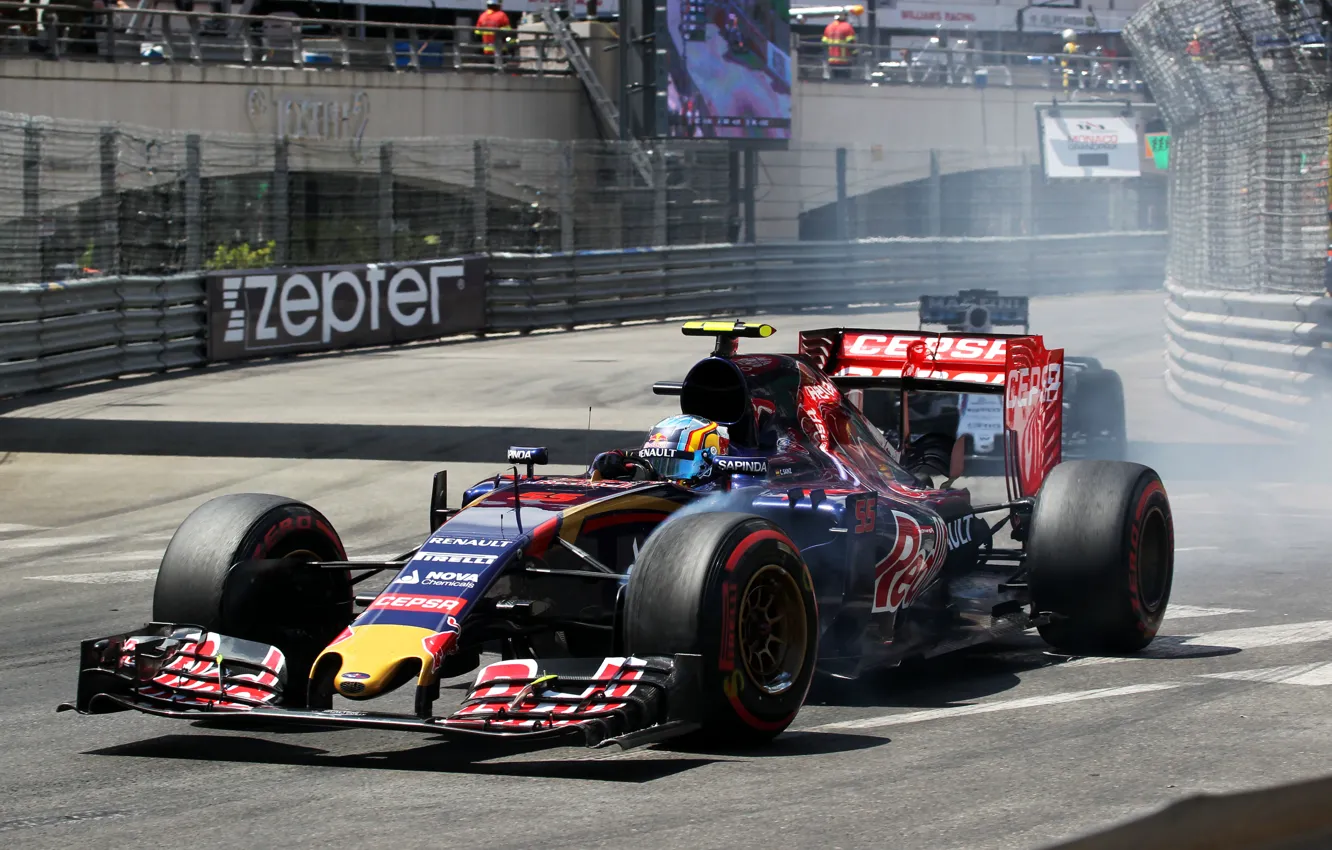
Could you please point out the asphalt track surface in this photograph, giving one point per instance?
(1005, 747)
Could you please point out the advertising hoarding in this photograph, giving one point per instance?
(1083, 144)
(728, 69)
(265, 312)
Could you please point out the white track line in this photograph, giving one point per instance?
(53, 542)
(991, 707)
(1313, 675)
(112, 577)
(1181, 612)
(15, 528)
(1257, 637)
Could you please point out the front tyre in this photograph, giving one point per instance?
(219, 573)
(732, 588)
(1101, 556)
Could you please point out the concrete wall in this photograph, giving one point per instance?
(889, 130)
(218, 99)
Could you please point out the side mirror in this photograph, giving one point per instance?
(439, 500)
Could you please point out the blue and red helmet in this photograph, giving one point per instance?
(682, 447)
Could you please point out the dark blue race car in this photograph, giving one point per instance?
(635, 606)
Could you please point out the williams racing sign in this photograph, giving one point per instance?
(1082, 144)
(281, 311)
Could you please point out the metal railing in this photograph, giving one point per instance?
(1260, 360)
(54, 335)
(882, 64)
(62, 334)
(279, 39)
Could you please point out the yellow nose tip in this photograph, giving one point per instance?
(371, 660)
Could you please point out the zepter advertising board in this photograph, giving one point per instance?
(1084, 144)
(263, 312)
(728, 70)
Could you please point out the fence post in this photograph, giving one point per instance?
(29, 265)
(480, 194)
(106, 253)
(660, 221)
(841, 195)
(751, 186)
(386, 202)
(566, 199)
(934, 201)
(1027, 225)
(733, 196)
(280, 203)
(194, 248)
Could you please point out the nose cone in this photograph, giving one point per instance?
(376, 659)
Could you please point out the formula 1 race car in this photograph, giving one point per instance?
(631, 611)
(1094, 425)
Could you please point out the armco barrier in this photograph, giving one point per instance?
(53, 335)
(562, 290)
(1263, 360)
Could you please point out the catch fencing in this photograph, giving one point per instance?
(1244, 94)
(78, 198)
(1243, 88)
(57, 335)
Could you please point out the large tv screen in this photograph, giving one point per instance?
(728, 69)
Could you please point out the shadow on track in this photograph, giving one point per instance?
(440, 443)
(434, 758)
(786, 745)
(968, 675)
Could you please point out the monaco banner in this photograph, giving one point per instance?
(262, 312)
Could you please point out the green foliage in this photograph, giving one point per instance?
(86, 258)
(242, 256)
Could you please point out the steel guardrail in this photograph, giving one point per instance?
(1262, 360)
(59, 334)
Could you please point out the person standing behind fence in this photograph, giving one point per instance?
(1067, 64)
(839, 36)
(488, 25)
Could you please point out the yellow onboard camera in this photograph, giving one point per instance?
(727, 333)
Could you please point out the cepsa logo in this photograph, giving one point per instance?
(985, 353)
(915, 557)
(400, 602)
(1027, 386)
(944, 348)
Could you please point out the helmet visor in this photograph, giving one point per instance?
(675, 464)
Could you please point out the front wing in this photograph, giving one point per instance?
(185, 672)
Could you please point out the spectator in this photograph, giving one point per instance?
(839, 35)
(1067, 64)
(492, 20)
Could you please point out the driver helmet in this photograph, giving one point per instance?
(681, 448)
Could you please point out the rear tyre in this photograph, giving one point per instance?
(208, 577)
(1099, 414)
(1101, 554)
(732, 588)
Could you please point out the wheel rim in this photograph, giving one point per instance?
(773, 630)
(1153, 558)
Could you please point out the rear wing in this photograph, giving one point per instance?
(1020, 368)
(975, 311)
